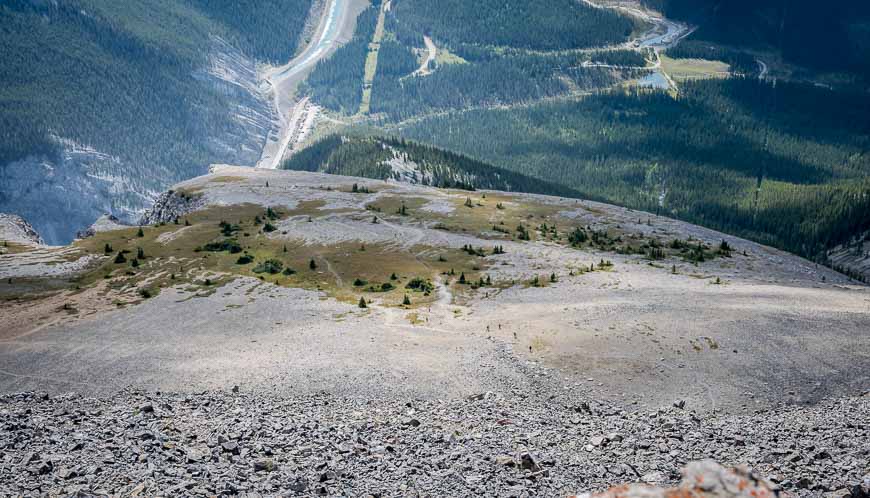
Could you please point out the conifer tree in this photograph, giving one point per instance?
(362, 303)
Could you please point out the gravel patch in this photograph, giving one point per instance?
(514, 443)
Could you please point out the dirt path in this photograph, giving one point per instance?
(372, 60)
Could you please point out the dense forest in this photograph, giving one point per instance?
(102, 54)
(528, 24)
(786, 164)
(833, 37)
(337, 82)
(135, 87)
(496, 81)
(369, 157)
(493, 65)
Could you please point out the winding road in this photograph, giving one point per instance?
(336, 27)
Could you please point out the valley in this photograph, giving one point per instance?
(597, 248)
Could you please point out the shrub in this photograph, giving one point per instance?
(230, 245)
(245, 259)
(420, 285)
(272, 267)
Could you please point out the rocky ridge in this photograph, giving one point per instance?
(170, 205)
(510, 444)
(14, 228)
(105, 223)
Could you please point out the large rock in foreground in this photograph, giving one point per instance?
(705, 479)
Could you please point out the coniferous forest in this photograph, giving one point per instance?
(785, 164)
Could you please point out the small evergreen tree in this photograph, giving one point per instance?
(406, 301)
(462, 278)
(362, 303)
(312, 265)
(134, 263)
(186, 222)
(140, 253)
(468, 202)
(394, 277)
(140, 233)
(108, 248)
(120, 259)
(553, 278)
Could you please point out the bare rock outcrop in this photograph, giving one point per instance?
(171, 205)
(14, 228)
(105, 223)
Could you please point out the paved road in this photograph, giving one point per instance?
(335, 28)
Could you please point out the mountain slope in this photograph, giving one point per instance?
(784, 164)
(827, 37)
(382, 158)
(103, 105)
(259, 276)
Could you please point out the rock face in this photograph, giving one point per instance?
(14, 228)
(63, 193)
(170, 205)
